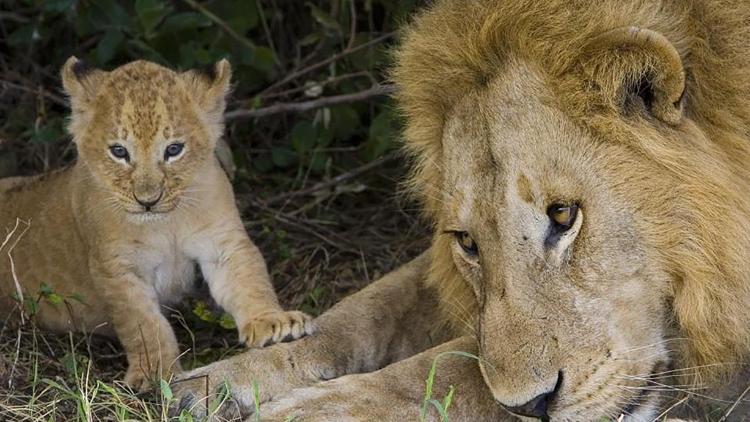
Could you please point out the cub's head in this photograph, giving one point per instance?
(144, 131)
(591, 225)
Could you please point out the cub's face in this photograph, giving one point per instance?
(551, 228)
(144, 131)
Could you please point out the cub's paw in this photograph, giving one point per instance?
(275, 327)
(136, 379)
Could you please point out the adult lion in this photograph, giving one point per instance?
(585, 167)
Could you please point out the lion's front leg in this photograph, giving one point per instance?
(400, 392)
(388, 321)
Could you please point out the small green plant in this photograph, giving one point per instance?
(222, 319)
(441, 407)
(224, 394)
(256, 400)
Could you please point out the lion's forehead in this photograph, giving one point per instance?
(146, 106)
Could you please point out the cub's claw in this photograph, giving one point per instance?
(275, 327)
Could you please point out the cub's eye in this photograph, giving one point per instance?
(466, 243)
(562, 216)
(119, 152)
(173, 150)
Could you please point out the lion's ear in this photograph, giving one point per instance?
(210, 86)
(639, 68)
(80, 82)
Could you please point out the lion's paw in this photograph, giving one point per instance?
(196, 396)
(275, 327)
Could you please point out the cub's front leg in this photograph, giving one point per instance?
(389, 320)
(238, 279)
(133, 308)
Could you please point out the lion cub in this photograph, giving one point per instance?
(120, 232)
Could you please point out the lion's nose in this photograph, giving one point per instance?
(149, 203)
(538, 406)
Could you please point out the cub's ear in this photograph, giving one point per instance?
(80, 82)
(210, 86)
(639, 69)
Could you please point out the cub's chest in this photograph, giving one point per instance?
(162, 263)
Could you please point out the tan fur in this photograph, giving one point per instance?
(114, 261)
(695, 195)
(635, 111)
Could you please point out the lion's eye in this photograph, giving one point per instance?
(562, 216)
(119, 152)
(173, 150)
(466, 243)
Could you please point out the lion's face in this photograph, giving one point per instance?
(143, 134)
(541, 220)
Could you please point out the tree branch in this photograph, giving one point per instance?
(374, 91)
(335, 57)
(341, 178)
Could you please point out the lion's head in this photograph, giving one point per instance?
(144, 131)
(586, 171)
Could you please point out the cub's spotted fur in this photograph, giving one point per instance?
(120, 232)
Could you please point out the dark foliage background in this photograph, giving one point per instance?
(311, 127)
(313, 136)
(282, 51)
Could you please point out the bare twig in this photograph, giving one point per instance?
(341, 178)
(12, 246)
(352, 24)
(318, 65)
(327, 81)
(52, 97)
(10, 16)
(267, 31)
(217, 20)
(734, 405)
(374, 91)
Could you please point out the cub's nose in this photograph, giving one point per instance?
(149, 203)
(539, 405)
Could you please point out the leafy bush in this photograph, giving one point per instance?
(283, 52)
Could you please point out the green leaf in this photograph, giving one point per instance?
(22, 36)
(310, 39)
(150, 14)
(319, 161)
(304, 137)
(146, 51)
(166, 390)
(256, 399)
(263, 60)
(382, 133)
(108, 45)
(283, 157)
(262, 163)
(184, 21)
(57, 6)
(439, 406)
(50, 132)
(185, 416)
(345, 122)
(70, 363)
(324, 18)
(54, 298)
(448, 399)
(240, 15)
(201, 311)
(78, 298)
(45, 289)
(227, 322)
